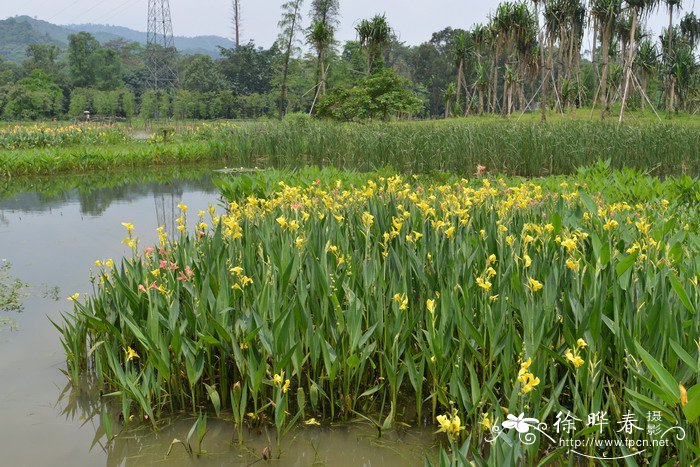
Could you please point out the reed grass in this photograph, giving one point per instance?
(404, 300)
(509, 147)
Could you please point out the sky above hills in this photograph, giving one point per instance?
(413, 21)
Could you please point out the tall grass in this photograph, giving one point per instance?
(401, 301)
(526, 149)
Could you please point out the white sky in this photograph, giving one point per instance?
(414, 21)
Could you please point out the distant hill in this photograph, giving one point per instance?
(18, 32)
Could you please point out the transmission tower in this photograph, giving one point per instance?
(160, 46)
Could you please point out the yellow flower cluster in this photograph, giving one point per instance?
(574, 356)
(527, 379)
(450, 424)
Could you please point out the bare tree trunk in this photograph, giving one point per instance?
(287, 58)
(494, 80)
(323, 73)
(630, 61)
(605, 51)
(668, 53)
(644, 91)
(481, 101)
(595, 42)
(672, 94)
(546, 74)
(543, 95)
(237, 21)
(460, 74)
(467, 97)
(561, 59)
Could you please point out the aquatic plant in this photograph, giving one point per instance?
(456, 304)
(524, 149)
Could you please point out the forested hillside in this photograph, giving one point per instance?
(525, 57)
(18, 32)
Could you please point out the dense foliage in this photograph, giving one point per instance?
(526, 56)
(394, 298)
(517, 148)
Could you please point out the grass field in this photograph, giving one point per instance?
(525, 148)
(323, 295)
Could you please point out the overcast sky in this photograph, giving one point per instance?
(413, 21)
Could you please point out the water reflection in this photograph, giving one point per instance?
(96, 192)
(348, 444)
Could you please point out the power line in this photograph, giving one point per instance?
(64, 9)
(121, 7)
(88, 10)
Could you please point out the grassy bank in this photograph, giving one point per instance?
(458, 146)
(336, 296)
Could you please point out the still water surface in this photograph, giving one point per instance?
(52, 236)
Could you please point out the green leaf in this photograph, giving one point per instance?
(683, 355)
(666, 380)
(680, 291)
(215, 399)
(692, 408)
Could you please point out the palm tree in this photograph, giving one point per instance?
(461, 49)
(496, 33)
(448, 95)
(647, 63)
(543, 96)
(291, 18)
(321, 36)
(481, 84)
(528, 50)
(637, 8)
(690, 29)
(684, 70)
(552, 14)
(606, 13)
(374, 36)
(480, 40)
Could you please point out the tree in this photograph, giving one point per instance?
(374, 36)
(672, 5)
(33, 97)
(321, 36)
(647, 63)
(43, 57)
(108, 70)
(637, 8)
(481, 40)
(82, 50)
(81, 100)
(290, 25)
(201, 74)
(461, 50)
(606, 13)
(432, 68)
(690, 29)
(248, 69)
(382, 95)
(156, 104)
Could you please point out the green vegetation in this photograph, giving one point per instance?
(11, 295)
(335, 296)
(515, 148)
(528, 57)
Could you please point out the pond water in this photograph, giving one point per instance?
(52, 231)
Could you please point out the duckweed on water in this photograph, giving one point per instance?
(403, 301)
